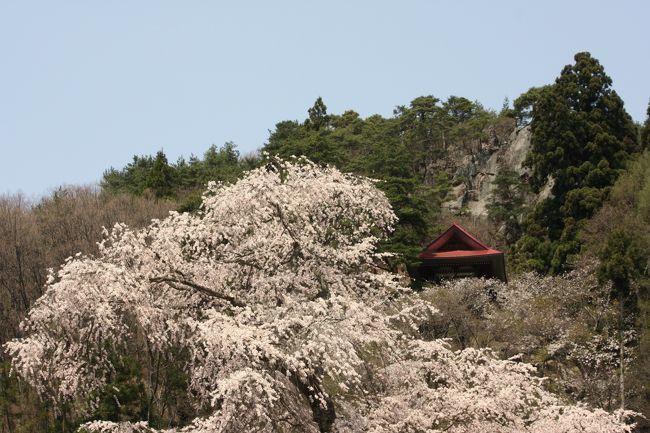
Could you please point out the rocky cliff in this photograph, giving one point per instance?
(477, 166)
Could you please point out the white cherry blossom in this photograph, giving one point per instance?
(290, 322)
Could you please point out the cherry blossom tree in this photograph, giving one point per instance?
(567, 325)
(288, 318)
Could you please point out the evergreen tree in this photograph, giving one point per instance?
(577, 125)
(459, 109)
(318, 117)
(582, 139)
(421, 127)
(161, 177)
(220, 163)
(645, 130)
(506, 204)
(392, 150)
(131, 179)
(287, 139)
(524, 104)
(185, 179)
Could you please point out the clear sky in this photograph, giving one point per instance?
(85, 85)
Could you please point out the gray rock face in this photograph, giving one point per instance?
(477, 169)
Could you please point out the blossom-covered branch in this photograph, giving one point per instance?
(277, 296)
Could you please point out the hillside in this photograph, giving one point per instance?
(274, 290)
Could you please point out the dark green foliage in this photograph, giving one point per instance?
(618, 235)
(524, 104)
(582, 138)
(506, 110)
(460, 109)
(124, 397)
(156, 393)
(622, 260)
(420, 125)
(183, 181)
(645, 130)
(131, 179)
(536, 248)
(318, 118)
(578, 124)
(407, 153)
(160, 178)
(218, 164)
(415, 207)
(506, 205)
(467, 122)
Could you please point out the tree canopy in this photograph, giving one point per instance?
(183, 180)
(645, 130)
(582, 137)
(413, 153)
(276, 295)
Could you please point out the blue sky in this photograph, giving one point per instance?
(84, 85)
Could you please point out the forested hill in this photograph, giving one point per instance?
(560, 179)
(419, 154)
(435, 158)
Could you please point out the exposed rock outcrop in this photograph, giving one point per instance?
(476, 169)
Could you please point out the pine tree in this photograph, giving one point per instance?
(161, 177)
(318, 117)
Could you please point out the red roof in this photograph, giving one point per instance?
(456, 242)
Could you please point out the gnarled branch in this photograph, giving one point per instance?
(177, 283)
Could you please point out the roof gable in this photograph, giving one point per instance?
(456, 241)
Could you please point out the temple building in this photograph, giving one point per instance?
(457, 254)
